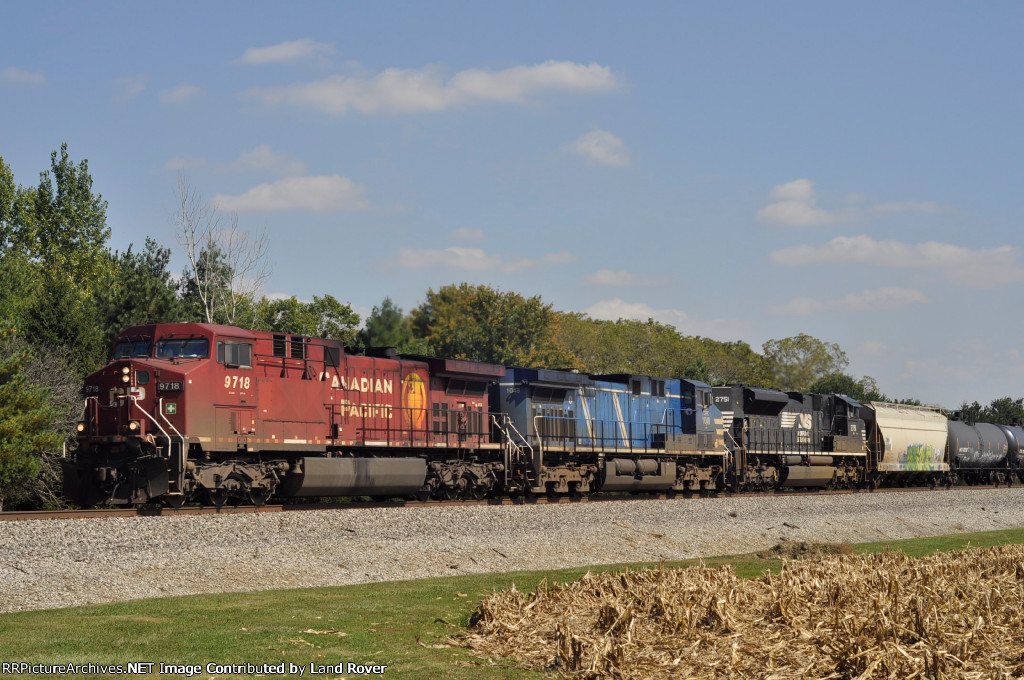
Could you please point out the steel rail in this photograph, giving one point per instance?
(154, 510)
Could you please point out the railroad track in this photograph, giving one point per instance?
(159, 511)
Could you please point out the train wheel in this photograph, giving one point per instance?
(218, 497)
(174, 500)
(258, 497)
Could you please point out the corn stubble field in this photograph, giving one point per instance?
(886, 615)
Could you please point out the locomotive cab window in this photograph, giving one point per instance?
(127, 349)
(182, 348)
(234, 354)
(552, 395)
(469, 388)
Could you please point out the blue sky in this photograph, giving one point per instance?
(739, 170)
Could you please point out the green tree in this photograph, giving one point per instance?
(19, 278)
(863, 390)
(388, 326)
(8, 196)
(797, 362)
(1004, 411)
(140, 290)
(652, 348)
(624, 346)
(70, 225)
(725, 363)
(484, 324)
(324, 317)
(62, 315)
(26, 426)
(54, 254)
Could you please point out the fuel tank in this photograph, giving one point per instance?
(355, 477)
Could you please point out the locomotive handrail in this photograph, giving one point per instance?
(507, 429)
(171, 425)
(617, 442)
(182, 449)
(134, 402)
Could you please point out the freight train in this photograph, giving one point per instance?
(190, 412)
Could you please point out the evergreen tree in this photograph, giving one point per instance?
(26, 426)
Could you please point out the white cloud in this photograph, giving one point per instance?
(129, 88)
(977, 268)
(467, 234)
(559, 258)
(286, 52)
(720, 329)
(601, 146)
(181, 163)
(474, 259)
(321, 194)
(179, 95)
(890, 297)
(874, 348)
(263, 159)
(795, 206)
(410, 90)
(621, 277)
(609, 277)
(19, 76)
(798, 190)
(913, 207)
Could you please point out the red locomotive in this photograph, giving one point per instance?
(189, 411)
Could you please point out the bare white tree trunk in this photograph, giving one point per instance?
(247, 259)
(214, 250)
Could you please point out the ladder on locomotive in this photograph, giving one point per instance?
(519, 454)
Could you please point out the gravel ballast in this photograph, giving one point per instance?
(63, 563)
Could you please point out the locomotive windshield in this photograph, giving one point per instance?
(127, 349)
(182, 348)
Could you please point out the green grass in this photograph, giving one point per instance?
(400, 624)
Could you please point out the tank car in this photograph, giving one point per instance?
(982, 453)
(1015, 454)
(204, 412)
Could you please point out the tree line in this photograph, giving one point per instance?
(64, 296)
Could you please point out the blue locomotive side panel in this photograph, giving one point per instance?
(603, 413)
(633, 411)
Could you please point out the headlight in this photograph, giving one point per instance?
(126, 369)
(126, 378)
(81, 426)
(134, 426)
